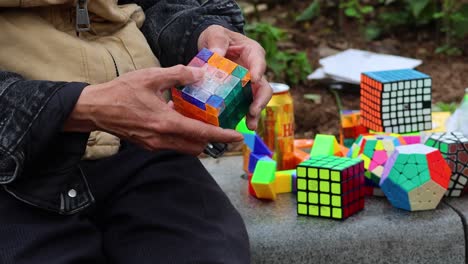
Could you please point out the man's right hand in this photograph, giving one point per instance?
(132, 107)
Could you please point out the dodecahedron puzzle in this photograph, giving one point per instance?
(397, 101)
(330, 187)
(454, 148)
(415, 177)
(375, 150)
(222, 98)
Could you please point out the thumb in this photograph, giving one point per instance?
(217, 40)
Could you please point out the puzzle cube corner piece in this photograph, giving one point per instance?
(330, 187)
(221, 98)
(263, 179)
(325, 145)
(397, 101)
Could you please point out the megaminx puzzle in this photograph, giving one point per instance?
(222, 98)
(330, 187)
(454, 148)
(397, 101)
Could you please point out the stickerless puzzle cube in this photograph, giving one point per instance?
(375, 150)
(397, 101)
(415, 177)
(454, 148)
(330, 187)
(222, 98)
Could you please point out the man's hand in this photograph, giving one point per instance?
(247, 53)
(132, 107)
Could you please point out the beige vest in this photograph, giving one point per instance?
(38, 40)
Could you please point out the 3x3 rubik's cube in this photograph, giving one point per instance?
(222, 98)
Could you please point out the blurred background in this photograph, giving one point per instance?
(297, 34)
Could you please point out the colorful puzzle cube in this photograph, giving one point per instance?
(375, 150)
(222, 98)
(454, 148)
(330, 187)
(397, 101)
(415, 177)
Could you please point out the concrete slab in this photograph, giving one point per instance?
(460, 204)
(379, 234)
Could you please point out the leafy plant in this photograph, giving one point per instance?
(445, 107)
(454, 17)
(310, 12)
(354, 9)
(290, 66)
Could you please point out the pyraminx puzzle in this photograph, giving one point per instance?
(222, 98)
(375, 150)
(330, 187)
(415, 177)
(454, 148)
(397, 101)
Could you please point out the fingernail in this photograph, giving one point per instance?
(219, 51)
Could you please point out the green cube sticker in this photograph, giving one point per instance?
(325, 211)
(313, 198)
(324, 186)
(313, 210)
(335, 176)
(324, 174)
(336, 200)
(302, 209)
(324, 198)
(312, 172)
(337, 213)
(313, 185)
(302, 197)
(301, 184)
(301, 172)
(336, 188)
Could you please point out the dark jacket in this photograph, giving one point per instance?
(39, 164)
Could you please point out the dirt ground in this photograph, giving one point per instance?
(320, 37)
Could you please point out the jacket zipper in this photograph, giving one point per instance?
(82, 17)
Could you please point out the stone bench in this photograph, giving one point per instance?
(379, 234)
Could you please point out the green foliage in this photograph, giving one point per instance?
(445, 107)
(354, 9)
(310, 13)
(454, 17)
(292, 67)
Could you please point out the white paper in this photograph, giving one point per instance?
(348, 65)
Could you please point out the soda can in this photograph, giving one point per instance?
(277, 125)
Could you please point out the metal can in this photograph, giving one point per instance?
(277, 124)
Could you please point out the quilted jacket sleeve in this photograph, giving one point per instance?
(172, 27)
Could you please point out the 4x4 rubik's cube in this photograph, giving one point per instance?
(397, 101)
(222, 98)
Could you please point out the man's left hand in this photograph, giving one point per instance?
(247, 53)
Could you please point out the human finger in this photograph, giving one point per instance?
(252, 56)
(164, 78)
(215, 38)
(262, 95)
(196, 130)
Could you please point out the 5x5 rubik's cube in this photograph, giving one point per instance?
(222, 98)
(397, 101)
